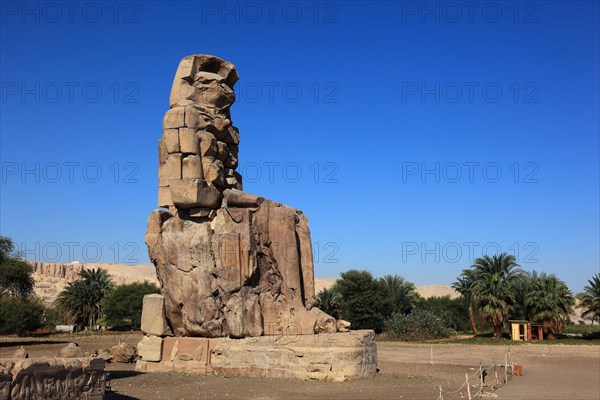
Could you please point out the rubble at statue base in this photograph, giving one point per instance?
(232, 266)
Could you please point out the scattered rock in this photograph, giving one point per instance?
(342, 325)
(21, 353)
(104, 354)
(71, 350)
(123, 353)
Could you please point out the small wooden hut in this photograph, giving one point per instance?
(521, 330)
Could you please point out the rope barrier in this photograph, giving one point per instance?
(482, 373)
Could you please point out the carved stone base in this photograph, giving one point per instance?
(52, 378)
(334, 356)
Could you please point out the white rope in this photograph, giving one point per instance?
(508, 374)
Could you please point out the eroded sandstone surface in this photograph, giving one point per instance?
(229, 263)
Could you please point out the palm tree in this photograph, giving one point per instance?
(590, 299)
(329, 300)
(464, 286)
(494, 298)
(81, 300)
(492, 288)
(549, 303)
(401, 291)
(521, 288)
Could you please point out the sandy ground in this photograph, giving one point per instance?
(549, 372)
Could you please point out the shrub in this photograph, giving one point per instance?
(20, 314)
(419, 325)
(454, 312)
(123, 306)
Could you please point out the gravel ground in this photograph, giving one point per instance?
(406, 372)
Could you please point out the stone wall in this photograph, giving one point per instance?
(52, 378)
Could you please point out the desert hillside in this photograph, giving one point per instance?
(426, 291)
(50, 278)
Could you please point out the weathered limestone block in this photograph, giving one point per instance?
(342, 325)
(150, 348)
(325, 323)
(162, 151)
(335, 357)
(21, 353)
(188, 193)
(164, 196)
(208, 144)
(171, 140)
(188, 140)
(123, 353)
(183, 354)
(192, 167)
(174, 118)
(71, 350)
(154, 321)
(213, 171)
(52, 378)
(174, 166)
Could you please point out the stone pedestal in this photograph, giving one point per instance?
(332, 356)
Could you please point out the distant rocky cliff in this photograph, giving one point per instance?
(51, 278)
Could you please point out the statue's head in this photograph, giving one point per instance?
(198, 153)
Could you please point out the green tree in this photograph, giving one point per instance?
(20, 314)
(81, 301)
(549, 303)
(522, 286)
(7, 249)
(464, 286)
(366, 302)
(330, 301)
(123, 306)
(403, 293)
(16, 278)
(492, 291)
(20, 310)
(590, 298)
(15, 274)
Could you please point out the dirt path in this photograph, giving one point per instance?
(550, 372)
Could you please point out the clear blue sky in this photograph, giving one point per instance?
(413, 138)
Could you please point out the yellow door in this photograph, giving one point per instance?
(515, 332)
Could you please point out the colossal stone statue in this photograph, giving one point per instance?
(230, 263)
